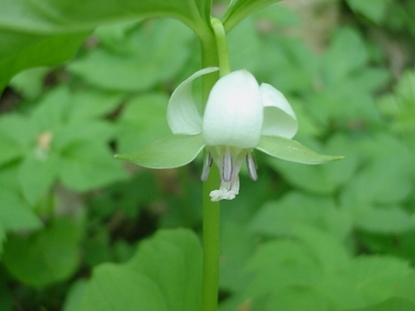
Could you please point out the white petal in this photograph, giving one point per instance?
(279, 117)
(182, 114)
(234, 113)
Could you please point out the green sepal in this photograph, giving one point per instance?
(169, 152)
(291, 150)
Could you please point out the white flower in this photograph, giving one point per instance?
(233, 122)
(240, 116)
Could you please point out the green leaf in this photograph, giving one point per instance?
(180, 279)
(327, 249)
(281, 263)
(44, 257)
(164, 275)
(142, 65)
(98, 131)
(22, 49)
(236, 246)
(19, 132)
(115, 288)
(9, 149)
(143, 120)
(372, 9)
(380, 276)
(322, 179)
(51, 33)
(169, 152)
(291, 150)
(37, 176)
(238, 10)
(91, 104)
(75, 295)
(15, 214)
(390, 304)
(297, 299)
(86, 165)
(386, 219)
(279, 218)
(348, 45)
(30, 82)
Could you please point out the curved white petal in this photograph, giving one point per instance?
(234, 113)
(182, 114)
(279, 117)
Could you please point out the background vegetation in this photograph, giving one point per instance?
(334, 237)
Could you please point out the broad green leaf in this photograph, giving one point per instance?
(86, 165)
(237, 244)
(348, 45)
(75, 295)
(279, 218)
(322, 179)
(305, 177)
(327, 249)
(52, 109)
(15, 214)
(142, 121)
(297, 299)
(19, 131)
(37, 176)
(91, 104)
(238, 10)
(115, 288)
(390, 304)
(44, 257)
(291, 150)
(281, 263)
(379, 277)
(25, 48)
(164, 275)
(400, 106)
(9, 149)
(372, 9)
(152, 53)
(177, 272)
(52, 32)
(386, 219)
(30, 82)
(169, 152)
(367, 281)
(98, 131)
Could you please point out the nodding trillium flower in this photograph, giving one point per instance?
(240, 116)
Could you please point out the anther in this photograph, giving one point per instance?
(227, 167)
(251, 166)
(207, 163)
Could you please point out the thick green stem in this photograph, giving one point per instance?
(211, 210)
(214, 53)
(211, 246)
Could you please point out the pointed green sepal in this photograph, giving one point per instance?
(169, 152)
(291, 150)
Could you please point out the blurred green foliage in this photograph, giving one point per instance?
(334, 237)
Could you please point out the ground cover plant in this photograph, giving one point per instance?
(311, 102)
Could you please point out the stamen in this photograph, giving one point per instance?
(251, 166)
(207, 163)
(227, 167)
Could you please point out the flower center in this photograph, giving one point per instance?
(229, 161)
